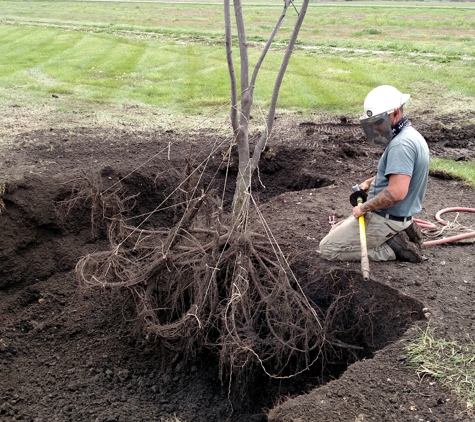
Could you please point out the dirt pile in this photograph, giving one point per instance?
(72, 357)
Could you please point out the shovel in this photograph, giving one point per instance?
(357, 198)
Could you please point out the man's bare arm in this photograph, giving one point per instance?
(389, 196)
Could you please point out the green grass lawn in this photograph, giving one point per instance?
(451, 363)
(173, 55)
(464, 170)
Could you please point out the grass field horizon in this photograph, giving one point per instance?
(95, 56)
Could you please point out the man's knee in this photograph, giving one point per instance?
(328, 253)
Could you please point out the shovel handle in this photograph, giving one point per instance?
(364, 249)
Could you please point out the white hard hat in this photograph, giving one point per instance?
(383, 99)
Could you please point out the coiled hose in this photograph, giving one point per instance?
(468, 232)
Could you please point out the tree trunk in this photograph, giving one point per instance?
(240, 119)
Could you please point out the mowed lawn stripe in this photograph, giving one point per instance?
(188, 75)
(103, 67)
(24, 47)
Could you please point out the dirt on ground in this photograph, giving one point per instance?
(66, 355)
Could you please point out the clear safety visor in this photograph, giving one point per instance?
(377, 127)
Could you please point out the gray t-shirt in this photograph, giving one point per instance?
(407, 153)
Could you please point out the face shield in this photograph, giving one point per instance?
(377, 128)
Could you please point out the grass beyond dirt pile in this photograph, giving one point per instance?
(464, 170)
(173, 56)
(449, 362)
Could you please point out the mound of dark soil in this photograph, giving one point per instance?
(67, 356)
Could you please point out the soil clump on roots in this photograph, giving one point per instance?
(140, 216)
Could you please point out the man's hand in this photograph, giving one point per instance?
(357, 212)
(364, 186)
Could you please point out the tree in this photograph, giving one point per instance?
(213, 280)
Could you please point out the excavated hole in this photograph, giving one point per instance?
(37, 244)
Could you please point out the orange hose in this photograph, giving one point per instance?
(427, 225)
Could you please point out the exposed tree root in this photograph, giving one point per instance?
(2, 192)
(202, 284)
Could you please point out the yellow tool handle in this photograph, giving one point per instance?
(364, 249)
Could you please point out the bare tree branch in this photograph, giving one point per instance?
(232, 73)
(268, 44)
(275, 95)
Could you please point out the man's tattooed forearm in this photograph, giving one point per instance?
(383, 200)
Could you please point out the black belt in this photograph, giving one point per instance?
(392, 217)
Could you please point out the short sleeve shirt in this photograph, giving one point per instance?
(407, 153)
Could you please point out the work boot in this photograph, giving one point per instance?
(415, 234)
(404, 249)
